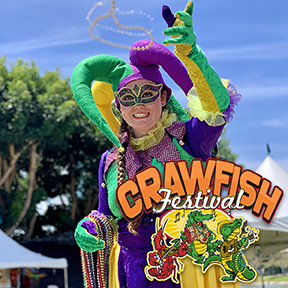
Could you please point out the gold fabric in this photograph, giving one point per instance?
(211, 118)
(113, 266)
(103, 96)
(204, 92)
(192, 276)
(155, 135)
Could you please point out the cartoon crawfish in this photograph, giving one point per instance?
(163, 258)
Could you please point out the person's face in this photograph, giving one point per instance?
(143, 117)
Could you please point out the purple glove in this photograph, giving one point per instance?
(168, 16)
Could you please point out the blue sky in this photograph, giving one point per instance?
(245, 41)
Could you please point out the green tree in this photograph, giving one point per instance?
(223, 149)
(47, 147)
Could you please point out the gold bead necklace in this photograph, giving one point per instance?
(112, 14)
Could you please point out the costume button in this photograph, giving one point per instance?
(181, 143)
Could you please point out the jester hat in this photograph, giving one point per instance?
(111, 73)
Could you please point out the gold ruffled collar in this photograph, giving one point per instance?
(155, 136)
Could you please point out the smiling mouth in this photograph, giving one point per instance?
(140, 115)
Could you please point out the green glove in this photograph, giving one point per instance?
(86, 240)
(213, 96)
(182, 30)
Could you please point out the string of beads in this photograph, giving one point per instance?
(107, 231)
(112, 14)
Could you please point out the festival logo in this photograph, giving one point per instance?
(195, 225)
(207, 237)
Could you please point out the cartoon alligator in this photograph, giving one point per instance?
(236, 239)
(198, 236)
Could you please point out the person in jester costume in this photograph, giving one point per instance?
(154, 129)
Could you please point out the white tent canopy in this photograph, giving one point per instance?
(14, 255)
(273, 236)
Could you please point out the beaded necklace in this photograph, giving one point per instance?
(107, 231)
(112, 14)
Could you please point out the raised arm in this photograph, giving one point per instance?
(209, 96)
(211, 100)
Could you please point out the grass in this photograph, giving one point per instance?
(273, 278)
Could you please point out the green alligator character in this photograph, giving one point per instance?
(197, 235)
(237, 237)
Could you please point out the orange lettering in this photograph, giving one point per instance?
(133, 211)
(220, 177)
(172, 179)
(149, 181)
(196, 175)
(271, 202)
(249, 181)
(235, 180)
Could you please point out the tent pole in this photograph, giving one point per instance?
(66, 278)
(18, 281)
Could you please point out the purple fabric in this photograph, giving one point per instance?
(164, 151)
(90, 227)
(109, 159)
(145, 65)
(177, 130)
(168, 16)
(201, 138)
(103, 206)
(145, 72)
(133, 252)
(235, 97)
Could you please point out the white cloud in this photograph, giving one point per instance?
(273, 123)
(277, 50)
(42, 206)
(44, 42)
(259, 90)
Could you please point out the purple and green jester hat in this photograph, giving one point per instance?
(111, 73)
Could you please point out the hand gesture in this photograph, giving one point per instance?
(86, 236)
(182, 31)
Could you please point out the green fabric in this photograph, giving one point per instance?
(111, 185)
(105, 68)
(111, 176)
(85, 240)
(183, 154)
(187, 36)
(219, 91)
(174, 106)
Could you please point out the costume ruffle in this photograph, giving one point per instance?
(235, 97)
(155, 136)
(163, 152)
(214, 118)
(196, 110)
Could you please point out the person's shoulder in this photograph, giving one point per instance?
(177, 130)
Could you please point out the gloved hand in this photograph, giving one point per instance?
(168, 16)
(182, 31)
(86, 236)
(209, 97)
